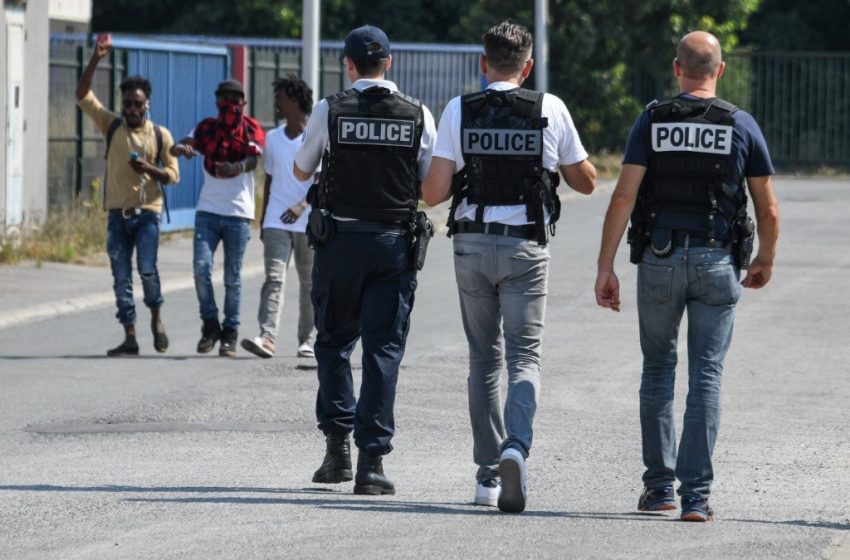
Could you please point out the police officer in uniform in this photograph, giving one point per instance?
(686, 163)
(497, 157)
(375, 146)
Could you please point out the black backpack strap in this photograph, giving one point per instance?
(158, 133)
(110, 132)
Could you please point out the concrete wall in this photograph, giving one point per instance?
(35, 113)
(3, 139)
(36, 94)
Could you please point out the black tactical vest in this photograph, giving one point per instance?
(370, 171)
(691, 184)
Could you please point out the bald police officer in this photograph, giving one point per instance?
(682, 182)
(376, 147)
(497, 156)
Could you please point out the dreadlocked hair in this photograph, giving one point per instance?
(296, 89)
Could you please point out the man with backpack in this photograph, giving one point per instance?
(132, 194)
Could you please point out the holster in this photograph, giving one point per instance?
(320, 227)
(745, 233)
(637, 240)
(423, 231)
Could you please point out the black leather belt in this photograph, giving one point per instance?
(128, 212)
(681, 239)
(495, 228)
(360, 226)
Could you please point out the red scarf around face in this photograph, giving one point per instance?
(230, 137)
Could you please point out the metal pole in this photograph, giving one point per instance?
(310, 47)
(541, 45)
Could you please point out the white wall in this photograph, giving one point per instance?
(70, 10)
(36, 92)
(35, 107)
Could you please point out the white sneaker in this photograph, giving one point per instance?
(487, 492)
(512, 471)
(259, 346)
(306, 350)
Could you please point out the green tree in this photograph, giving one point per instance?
(607, 59)
(790, 25)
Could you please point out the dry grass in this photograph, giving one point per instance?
(67, 236)
(607, 164)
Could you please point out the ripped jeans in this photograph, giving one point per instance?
(233, 233)
(139, 232)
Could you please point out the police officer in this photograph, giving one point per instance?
(497, 156)
(375, 144)
(682, 182)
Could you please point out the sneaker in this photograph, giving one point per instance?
(657, 499)
(260, 346)
(695, 508)
(512, 470)
(227, 344)
(305, 350)
(487, 492)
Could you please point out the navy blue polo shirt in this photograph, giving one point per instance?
(749, 152)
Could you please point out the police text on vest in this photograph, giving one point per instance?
(498, 141)
(376, 132)
(692, 137)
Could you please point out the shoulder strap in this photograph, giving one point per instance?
(158, 133)
(412, 100)
(110, 132)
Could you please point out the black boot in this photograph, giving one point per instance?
(160, 339)
(210, 333)
(127, 348)
(370, 477)
(336, 467)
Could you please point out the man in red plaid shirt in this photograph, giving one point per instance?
(230, 145)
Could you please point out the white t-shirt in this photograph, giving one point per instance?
(227, 196)
(561, 146)
(286, 191)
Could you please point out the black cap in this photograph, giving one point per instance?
(230, 86)
(367, 43)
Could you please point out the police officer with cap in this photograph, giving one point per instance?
(375, 146)
(497, 156)
(682, 181)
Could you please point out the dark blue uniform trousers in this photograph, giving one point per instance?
(363, 287)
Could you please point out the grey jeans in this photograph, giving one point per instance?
(278, 247)
(502, 287)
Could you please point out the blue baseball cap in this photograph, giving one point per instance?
(367, 43)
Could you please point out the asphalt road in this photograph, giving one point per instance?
(187, 456)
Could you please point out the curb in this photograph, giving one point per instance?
(82, 303)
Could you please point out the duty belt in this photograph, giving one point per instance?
(683, 239)
(360, 226)
(495, 228)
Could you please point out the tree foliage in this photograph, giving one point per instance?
(790, 25)
(607, 58)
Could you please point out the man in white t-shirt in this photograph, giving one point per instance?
(230, 145)
(284, 221)
(506, 145)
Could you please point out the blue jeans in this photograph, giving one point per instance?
(502, 288)
(363, 287)
(122, 236)
(704, 282)
(233, 233)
